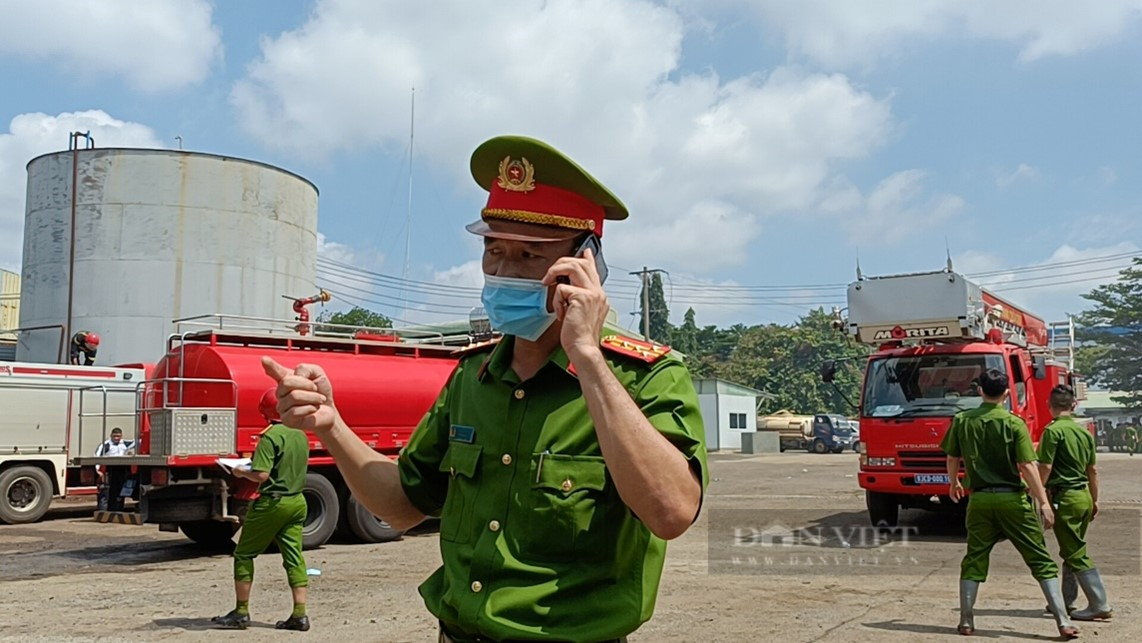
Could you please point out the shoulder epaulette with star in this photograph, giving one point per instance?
(478, 347)
(648, 352)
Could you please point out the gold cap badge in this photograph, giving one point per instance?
(517, 176)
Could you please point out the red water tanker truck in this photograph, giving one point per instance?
(201, 404)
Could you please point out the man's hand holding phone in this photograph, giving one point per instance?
(579, 300)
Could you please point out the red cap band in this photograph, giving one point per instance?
(545, 205)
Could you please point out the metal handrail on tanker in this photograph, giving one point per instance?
(283, 327)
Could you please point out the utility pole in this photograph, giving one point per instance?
(645, 273)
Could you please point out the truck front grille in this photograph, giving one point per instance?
(924, 460)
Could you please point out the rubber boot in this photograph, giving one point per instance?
(232, 620)
(968, 591)
(1054, 596)
(1070, 590)
(1098, 608)
(299, 623)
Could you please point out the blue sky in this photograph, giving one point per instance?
(761, 146)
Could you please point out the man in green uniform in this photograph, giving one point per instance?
(278, 515)
(559, 459)
(1067, 465)
(995, 449)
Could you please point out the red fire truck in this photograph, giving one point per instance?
(201, 403)
(934, 333)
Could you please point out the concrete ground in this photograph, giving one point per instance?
(782, 552)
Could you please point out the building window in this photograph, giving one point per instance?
(741, 421)
(734, 421)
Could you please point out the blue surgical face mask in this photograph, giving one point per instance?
(517, 306)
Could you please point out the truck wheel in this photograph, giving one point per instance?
(883, 509)
(819, 446)
(25, 495)
(367, 527)
(322, 511)
(212, 534)
(856, 446)
(344, 532)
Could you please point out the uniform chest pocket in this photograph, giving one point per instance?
(461, 463)
(572, 511)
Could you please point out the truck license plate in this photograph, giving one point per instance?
(931, 478)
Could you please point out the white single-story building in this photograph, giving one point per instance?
(728, 411)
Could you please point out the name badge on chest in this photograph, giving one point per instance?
(461, 433)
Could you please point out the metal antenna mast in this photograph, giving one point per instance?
(408, 222)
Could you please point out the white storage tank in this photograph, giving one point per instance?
(158, 235)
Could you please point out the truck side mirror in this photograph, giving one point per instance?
(1039, 367)
(828, 371)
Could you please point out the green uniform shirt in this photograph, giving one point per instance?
(284, 453)
(992, 442)
(535, 540)
(1069, 449)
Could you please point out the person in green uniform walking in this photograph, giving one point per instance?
(995, 448)
(1067, 466)
(559, 459)
(279, 465)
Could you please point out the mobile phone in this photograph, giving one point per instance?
(591, 241)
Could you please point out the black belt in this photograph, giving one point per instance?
(999, 489)
(1080, 487)
(445, 637)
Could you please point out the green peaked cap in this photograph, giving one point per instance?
(552, 168)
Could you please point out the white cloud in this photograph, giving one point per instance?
(466, 275)
(899, 206)
(155, 45)
(334, 251)
(1022, 173)
(1052, 287)
(692, 155)
(31, 135)
(843, 35)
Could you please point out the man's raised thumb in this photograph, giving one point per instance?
(274, 370)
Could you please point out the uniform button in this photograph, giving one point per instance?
(519, 394)
(567, 485)
(507, 459)
(494, 525)
(476, 586)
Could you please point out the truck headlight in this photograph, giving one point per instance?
(882, 462)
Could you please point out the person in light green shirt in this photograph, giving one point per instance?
(1067, 461)
(279, 465)
(559, 459)
(996, 451)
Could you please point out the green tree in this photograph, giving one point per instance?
(785, 361)
(684, 339)
(358, 316)
(660, 328)
(1087, 355)
(1115, 325)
